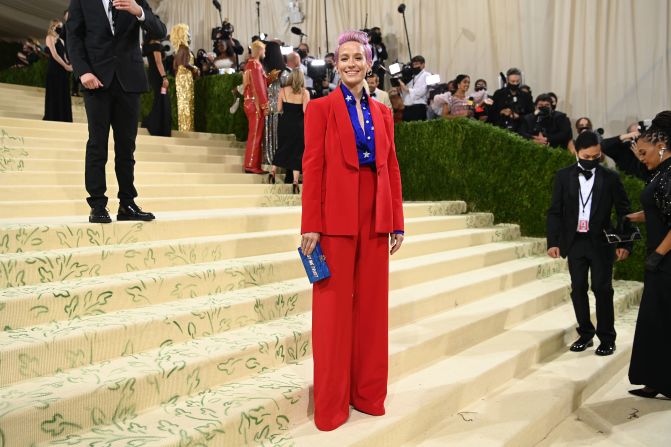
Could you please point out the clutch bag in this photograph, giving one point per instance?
(315, 264)
(625, 232)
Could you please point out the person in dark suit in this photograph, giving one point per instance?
(545, 125)
(104, 48)
(511, 103)
(583, 197)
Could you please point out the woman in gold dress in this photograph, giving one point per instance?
(185, 72)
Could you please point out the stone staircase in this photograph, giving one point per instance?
(194, 329)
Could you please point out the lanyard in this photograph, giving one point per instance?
(584, 203)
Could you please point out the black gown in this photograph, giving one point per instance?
(290, 139)
(651, 355)
(57, 101)
(159, 120)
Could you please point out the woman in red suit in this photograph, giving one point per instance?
(352, 206)
(256, 106)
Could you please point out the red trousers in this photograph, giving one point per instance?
(254, 137)
(350, 319)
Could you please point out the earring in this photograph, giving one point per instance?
(369, 73)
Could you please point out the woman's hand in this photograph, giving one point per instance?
(636, 217)
(395, 240)
(309, 242)
(68, 68)
(166, 83)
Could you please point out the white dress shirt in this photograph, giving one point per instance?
(586, 191)
(106, 4)
(417, 93)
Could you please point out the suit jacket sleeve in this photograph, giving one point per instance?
(394, 174)
(76, 32)
(154, 27)
(313, 167)
(622, 207)
(525, 127)
(259, 86)
(562, 132)
(554, 218)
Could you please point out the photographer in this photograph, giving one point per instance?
(546, 126)
(379, 52)
(330, 80)
(416, 93)
(226, 47)
(510, 103)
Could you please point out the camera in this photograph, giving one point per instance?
(223, 32)
(402, 72)
(644, 125)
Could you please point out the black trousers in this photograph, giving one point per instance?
(415, 112)
(585, 257)
(121, 110)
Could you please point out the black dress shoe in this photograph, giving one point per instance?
(581, 344)
(99, 215)
(646, 392)
(133, 212)
(605, 349)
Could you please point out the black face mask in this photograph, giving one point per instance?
(479, 88)
(416, 70)
(513, 87)
(59, 30)
(545, 111)
(589, 164)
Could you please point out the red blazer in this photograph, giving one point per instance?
(331, 170)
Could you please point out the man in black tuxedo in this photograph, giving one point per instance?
(103, 44)
(583, 197)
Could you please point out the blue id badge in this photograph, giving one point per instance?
(315, 264)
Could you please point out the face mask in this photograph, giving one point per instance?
(416, 70)
(582, 129)
(589, 164)
(479, 88)
(544, 111)
(513, 87)
(58, 29)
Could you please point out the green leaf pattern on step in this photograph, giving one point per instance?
(12, 153)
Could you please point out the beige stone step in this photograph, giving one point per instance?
(278, 400)
(234, 157)
(146, 328)
(42, 303)
(49, 178)
(613, 417)
(64, 233)
(76, 192)
(420, 401)
(69, 264)
(172, 166)
(80, 136)
(205, 357)
(17, 209)
(17, 122)
(527, 408)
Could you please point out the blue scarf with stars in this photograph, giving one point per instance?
(365, 138)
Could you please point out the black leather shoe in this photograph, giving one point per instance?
(605, 349)
(133, 212)
(581, 344)
(99, 215)
(646, 392)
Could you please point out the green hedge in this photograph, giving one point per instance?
(34, 75)
(492, 170)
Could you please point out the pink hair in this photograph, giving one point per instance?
(355, 36)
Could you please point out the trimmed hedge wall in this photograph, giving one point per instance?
(35, 75)
(490, 168)
(494, 171)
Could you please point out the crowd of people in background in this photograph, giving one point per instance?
(412, 94)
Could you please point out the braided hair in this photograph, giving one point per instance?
(660, 129)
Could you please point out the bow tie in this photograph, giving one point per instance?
(373, 95)
(588, 174)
